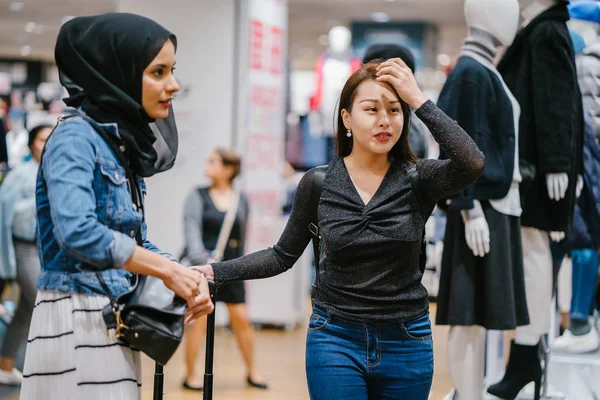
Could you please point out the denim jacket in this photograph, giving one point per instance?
(17, 214)
(86, 219)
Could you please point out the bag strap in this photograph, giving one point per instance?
(315, 195)
(415, 180)
(225, 231)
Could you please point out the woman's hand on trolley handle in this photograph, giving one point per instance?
(191, 285)
(206, 270)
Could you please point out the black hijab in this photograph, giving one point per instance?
(101, 60)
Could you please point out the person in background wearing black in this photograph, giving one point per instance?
(204, 213)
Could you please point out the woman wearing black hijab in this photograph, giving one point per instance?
(118, 70)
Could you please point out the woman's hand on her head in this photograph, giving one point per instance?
(206, 270)
(395, 72)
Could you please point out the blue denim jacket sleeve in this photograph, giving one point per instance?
(68, 169)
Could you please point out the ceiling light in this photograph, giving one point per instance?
(390, 1)
(30, 27)
(25, 51)
(324, 40)
(444, 59)
(380, 16)
(16, 6)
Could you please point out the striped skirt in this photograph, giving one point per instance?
(69, 355)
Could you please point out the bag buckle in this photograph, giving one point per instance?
(120, 329)
(313, 229)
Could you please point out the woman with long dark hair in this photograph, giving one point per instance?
(369, 336)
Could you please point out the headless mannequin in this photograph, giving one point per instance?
(492, 23)
(547, 45)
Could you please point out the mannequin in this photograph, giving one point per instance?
(482, 282)
(16, 138)
(539, 69)
(332, 70)
(584, 236)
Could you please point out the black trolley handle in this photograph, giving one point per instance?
(210, 345)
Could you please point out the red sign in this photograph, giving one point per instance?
(266, 47)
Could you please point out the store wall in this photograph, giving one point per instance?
(203, 108)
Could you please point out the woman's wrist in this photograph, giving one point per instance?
(418, 100)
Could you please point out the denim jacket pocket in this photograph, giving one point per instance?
(113, 192)
(115, 174)
(418, 329)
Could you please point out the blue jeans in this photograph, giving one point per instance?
(585, 276)
(356, 361)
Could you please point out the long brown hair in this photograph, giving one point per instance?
(368, 72)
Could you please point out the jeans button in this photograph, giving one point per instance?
(132, 233)
(116, 175)
(134, 207)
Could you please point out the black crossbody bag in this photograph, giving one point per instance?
(149, 317)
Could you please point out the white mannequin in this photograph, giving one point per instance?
(16, 141)
(335, 71)
(492, 23)
(500, 19)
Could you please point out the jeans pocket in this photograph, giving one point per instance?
(418, 329)
(318, 322)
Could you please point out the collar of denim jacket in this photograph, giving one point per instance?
(112, 128)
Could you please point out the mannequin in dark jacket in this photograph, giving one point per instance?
(482, 284)
(539, 68)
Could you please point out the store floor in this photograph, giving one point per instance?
(280, 357)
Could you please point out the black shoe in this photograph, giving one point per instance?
(523, 367)
(188, 387)
(257, 385)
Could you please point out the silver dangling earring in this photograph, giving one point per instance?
(349, 133)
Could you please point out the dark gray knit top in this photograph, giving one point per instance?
(372, 272)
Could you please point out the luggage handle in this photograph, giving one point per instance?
(210, 345)
(159, 377)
